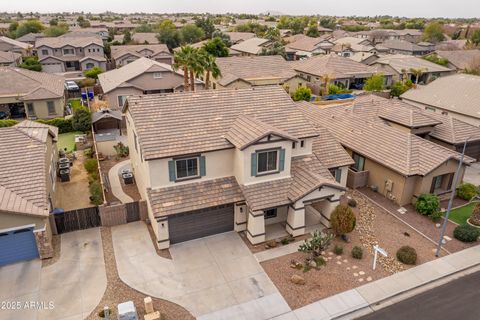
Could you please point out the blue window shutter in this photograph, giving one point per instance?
(281, 162)
(254, 164)
(202, 166)
(171, 170)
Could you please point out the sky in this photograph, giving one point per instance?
(407, 8)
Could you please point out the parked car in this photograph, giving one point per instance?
(71, 86)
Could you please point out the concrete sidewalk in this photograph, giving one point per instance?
(279, 251)
(374, 295)
(116, 184)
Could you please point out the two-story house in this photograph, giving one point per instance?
(246, 160)
(123, 55)
(67, 53)
(28, 153)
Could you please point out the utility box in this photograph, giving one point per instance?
(127, 311)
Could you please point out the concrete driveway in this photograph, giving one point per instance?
(215, 277)
(74, 284)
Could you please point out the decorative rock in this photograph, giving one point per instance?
(330, 253)
(295, 264)
(360, 280)
(312, 263)
(355, 274)
(338, 257)
(348, 268)
(339, 262)
(296, 279)
(354, 267)
(271, 244)
(361, 273)
(438, 225)
(345, 261)
(447, 238)
(369, 279)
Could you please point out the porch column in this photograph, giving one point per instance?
(163, 239)
(256, 227)
(296, 221)
(240, 217)
(326, 207)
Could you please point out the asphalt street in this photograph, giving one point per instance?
(458, 300)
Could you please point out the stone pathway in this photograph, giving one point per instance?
(116, 184)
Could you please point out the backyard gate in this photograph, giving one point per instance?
(133, 211)
(79, 219)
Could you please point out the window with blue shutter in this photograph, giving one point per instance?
(254, 164)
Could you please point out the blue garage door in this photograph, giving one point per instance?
(17, 245)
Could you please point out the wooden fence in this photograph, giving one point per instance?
(117, 214)
(79, 219)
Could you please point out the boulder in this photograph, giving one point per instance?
(296, 279)
(271, 244)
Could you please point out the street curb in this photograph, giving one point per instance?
(376, 303)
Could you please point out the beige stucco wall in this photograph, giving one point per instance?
(106, 147)
(290, 84)
(51, 164)
(9, 220)
(112, 96)
(169, 80)
(41, 109)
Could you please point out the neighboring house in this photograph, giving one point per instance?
(252, 71)
(396, 163)
(457, 95)
(251, 47)
(381, 35)
(405, 47)
(451, 45)
(348, 46)
(145, 38)
(11, 45)
(10, 59)
(101, 32)
(31, 94)
(460, 59)
(123, 55)
(365, 57)
(237, 37)
(340, 71)
(107, 128)
(142, 76)
(30, 38)
(441, 129)
(220, 160)
(70, 53)
(305, 47)
(400, 65)
(28, 153)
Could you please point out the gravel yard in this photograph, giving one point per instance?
(118, 292)
(421, 223)
(341, 273)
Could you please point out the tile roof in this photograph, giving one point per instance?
(141, 37)
(461, 59)
(457, 93)
(115, 78)
(254, 68)
(60, 42)
(402, 45)
(401, 62)
(194, 196)
(207, 116)
(408, 117)
(400, 151)
(15, 43)
(119, 51)
(9, 57)
(333, 65)
(252, 45)
(23, 185)
(309, 44)
(239, 36)
(247, 130)
(268, 194)
(106, 113)
(30, 85)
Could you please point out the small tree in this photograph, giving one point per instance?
(31, 63)
(476, 37)
(216, 47)
(433, 32)
(427, 204)
(398, 88)
(82, 119)
(342, 220)
(318, 243)
(127, 37)
(302, 93)
(467, 191)
(312, 31)
(93, 72)
(375, 83)
(475, 217)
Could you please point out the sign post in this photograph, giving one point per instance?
(377, 249)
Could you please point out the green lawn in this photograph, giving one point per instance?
(460, 215)
(67, 140)
(75, 103)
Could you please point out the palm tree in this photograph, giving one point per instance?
(195, 66)
(327, 78)
(181, 61)
(210, 67)
(417, 73)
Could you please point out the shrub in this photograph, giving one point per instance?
(357, 252)
(88, 153)
(436, 216)
(96, 196)
(121, 150)
(475, 217)
(342, 220)
(318, 243)
(375, 83)
(82, 119)
(338, 250)
(63, 125)
(87, 82)
(407, 255)
(93, 72)
(91, 165)
(467, 191)
(7, 123)
(334, 89)
(427, 204)
(352, 202)
(466, 233)
(302, 93)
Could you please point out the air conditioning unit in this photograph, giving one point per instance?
(389, 185)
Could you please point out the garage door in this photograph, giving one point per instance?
(17, 245)
(198, 224)
(52, 67)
